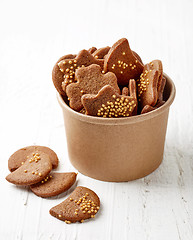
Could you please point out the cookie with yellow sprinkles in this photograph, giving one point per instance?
(54, 184)
(89, 81)
(108, 103)
(82, 204)
(157, 65)
(69, 66)
(32, 171)
(121, 61)
(58, 76)
(147, 87)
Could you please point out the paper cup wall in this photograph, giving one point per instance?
(117, 149)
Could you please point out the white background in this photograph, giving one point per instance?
(33, 35)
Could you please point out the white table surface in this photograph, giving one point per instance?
(33, 35)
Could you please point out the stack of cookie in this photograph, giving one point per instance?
(31, 166)
(110, 81)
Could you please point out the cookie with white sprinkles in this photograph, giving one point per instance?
(121, 61)
(32, 171)
(82, 204)
(108, 103)
(54, 184)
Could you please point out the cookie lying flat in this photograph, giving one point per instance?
(101, 52)
(121, 61)
(20, 156)
(148, 108)
(89, 80)
(107, 103)
(68, 66)
(35, 169)
(58, 76)
(147, 87)
(54, 184)
(82, 204)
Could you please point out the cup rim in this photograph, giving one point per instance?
(124, 120)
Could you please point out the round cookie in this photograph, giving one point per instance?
(82, 204)
(58, 76)
(54, 184)
(34, 170)
(16, 159)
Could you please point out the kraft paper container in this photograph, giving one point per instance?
(117, 149)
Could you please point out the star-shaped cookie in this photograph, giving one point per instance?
(108, 103)
(69, 66)
(89, 80)
(121, 61)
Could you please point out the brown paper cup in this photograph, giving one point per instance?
(117, 149)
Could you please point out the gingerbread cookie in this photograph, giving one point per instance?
(125, 91)
(54, 184)
(108, 103)
(83, 111)
(147, 87)
(101, 52)
(69, 66)
(121, 61)
(21, 155)
(89, 80)
(161, 89)
(34, 170)
(58, 76)
(148, 108)
(157, 65)
(92, 50)
(137, 56)
(82, 204)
